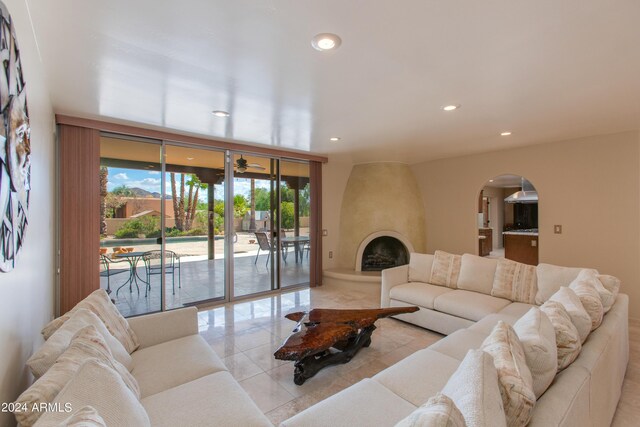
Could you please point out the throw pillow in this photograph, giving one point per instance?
(85, 417)
(99, 303)
(538, 338)
(551, 278)
(439, 411)
(445, 269)
(476, 273)
(98, 385)
(612, 284)
(474, 389)
(606, 296)
(568, 342)
(420, 267)
(590, 300)
(579, 316)
(515, 281)
(86, 344)
(46, 355)
(514, 377)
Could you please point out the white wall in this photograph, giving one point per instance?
(27, 293)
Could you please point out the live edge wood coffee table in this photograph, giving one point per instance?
(326, 337)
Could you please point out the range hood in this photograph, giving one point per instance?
(528, 194)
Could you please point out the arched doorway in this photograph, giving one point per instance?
(508, 219)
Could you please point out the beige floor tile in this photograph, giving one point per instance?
(284, 376)
(253, 338)
(223, 345)
(241, 367)
(263, 356)
(266, 392)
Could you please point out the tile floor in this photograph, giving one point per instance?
(246, 334)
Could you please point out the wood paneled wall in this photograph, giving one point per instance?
(79, 195)
(315, 226)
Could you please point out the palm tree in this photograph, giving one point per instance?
(104, 179)
(252, 221)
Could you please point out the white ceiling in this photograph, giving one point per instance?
(546, 70)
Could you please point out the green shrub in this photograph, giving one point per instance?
(133, 228)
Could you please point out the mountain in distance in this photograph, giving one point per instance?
(140, 192)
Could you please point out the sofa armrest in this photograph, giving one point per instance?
(157, 328)
(390, 278)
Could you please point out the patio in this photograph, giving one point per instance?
(202, 279)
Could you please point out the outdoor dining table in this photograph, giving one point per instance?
(132, 258)
(298, 243)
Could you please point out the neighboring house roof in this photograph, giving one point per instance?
(151, 212)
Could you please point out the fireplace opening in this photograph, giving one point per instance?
(384, 252)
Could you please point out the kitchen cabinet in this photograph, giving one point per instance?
(521, 247)
(485, 241)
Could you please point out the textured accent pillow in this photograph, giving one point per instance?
(474, 389)
(514, 377)
(86, 344)
(579, 316)
(439, 411)
(538, 338)
(612, 284)
(98, 385)
(445, 269)
(420, 267)
(46, 355)
(476, 273)
(99, 303)
(85, 417)
(515, 281)
(568, 341)
(551, 278)
(590, 300)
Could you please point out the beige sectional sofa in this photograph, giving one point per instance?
(584, 394)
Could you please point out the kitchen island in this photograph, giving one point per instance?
(521, 246)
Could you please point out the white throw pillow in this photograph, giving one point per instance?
(46, 355)
(445, 269)
(606, 296)
(420, 267)
(99, 303)
(85, 417)
(567, 338)
(439, 411)
(474, 389)
(514, 376)
(551, 278)
(612, 284)
(515, 281)
(590, 300)
(99, 386)
(579, 316)
(477, 273)
(538, 338)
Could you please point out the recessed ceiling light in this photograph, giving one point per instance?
(220, 113)
(334, 139)
(490, 180)
(189, 158)
(507, 133)
(451, 107)
(325, 41)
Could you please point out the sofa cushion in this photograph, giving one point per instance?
(414, 378)
(516, 309)
(590, 299)
(514, 377)
(417, 293)
(457, 344)
(477, 273)
(579, 316)
(213, 399)
(610, 283)
(474, 389)
(86, 417)
(445, 269)
(568, 342)
(439, 411)
(469, 305)
(551, 278)
(52, 348)
(606, 296)
(99, 386)
(515, 281)
(100, 303)
(420, 267)
(172, 363)
(486, 324)
(538, 338)
(366, 403)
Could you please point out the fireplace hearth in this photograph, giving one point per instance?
(384, 252)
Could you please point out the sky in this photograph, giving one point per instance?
(151, 181)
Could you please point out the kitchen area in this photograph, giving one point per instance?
(508, 219)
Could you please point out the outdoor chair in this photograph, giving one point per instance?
(172, 264)
(266, 245)
(107, 271)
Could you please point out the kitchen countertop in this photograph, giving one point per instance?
(521, 233)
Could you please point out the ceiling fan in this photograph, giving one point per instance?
(242, 165)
